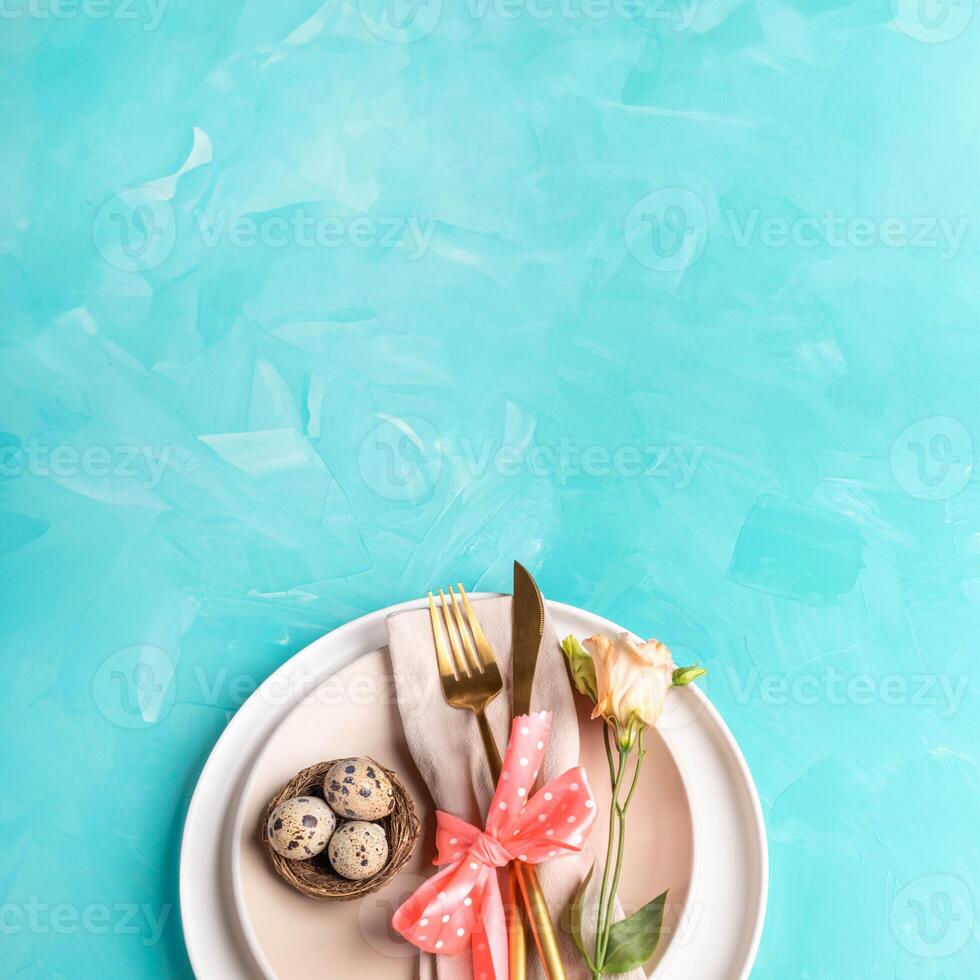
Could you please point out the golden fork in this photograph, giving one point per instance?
(471, 679)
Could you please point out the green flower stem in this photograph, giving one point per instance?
(615, 816)
(640, 756)
(616, 776)
(617, 843)
(621, 851)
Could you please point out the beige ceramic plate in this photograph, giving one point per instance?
(706, 838)
(354, 713)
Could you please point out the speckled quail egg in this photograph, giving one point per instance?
(358, 850)
(300, 828)
(358, 789)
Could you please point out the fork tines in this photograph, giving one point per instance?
(471, 653)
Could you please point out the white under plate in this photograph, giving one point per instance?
(704, 837)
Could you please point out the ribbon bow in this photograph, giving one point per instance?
(462, 904)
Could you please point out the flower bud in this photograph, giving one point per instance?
(684, 675)
(581, 666)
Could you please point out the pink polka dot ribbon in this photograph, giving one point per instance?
(461, 905)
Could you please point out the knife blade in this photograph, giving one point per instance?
(527, 630)
(527, 624)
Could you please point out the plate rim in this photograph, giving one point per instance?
(368, 621)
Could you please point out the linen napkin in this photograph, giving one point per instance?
(445, 744)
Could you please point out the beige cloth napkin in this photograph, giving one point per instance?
(445, 744)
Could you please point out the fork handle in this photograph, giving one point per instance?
(516, 919)
(489, 745)
(516, 929)
(542, 928)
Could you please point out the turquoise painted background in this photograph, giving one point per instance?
(308, 308)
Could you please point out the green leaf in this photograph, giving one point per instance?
(582, 667)
(571, 921)
(635, 939)
(684, 675)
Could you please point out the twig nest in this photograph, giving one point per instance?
(388, 847)
(358, 850)
(358, 789)
(299, 828)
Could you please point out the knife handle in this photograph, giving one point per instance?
(542, 928)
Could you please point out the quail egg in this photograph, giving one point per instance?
(358, 850)
(358, 789)
(300, 828)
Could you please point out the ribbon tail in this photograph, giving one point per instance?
(407, 915)
(490, 952)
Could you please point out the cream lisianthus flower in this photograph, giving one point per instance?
(628, 684)
(631, 681)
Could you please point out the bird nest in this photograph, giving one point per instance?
(315, 877)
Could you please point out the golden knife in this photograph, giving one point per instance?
(527, 630)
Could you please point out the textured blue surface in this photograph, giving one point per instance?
(307, 308)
